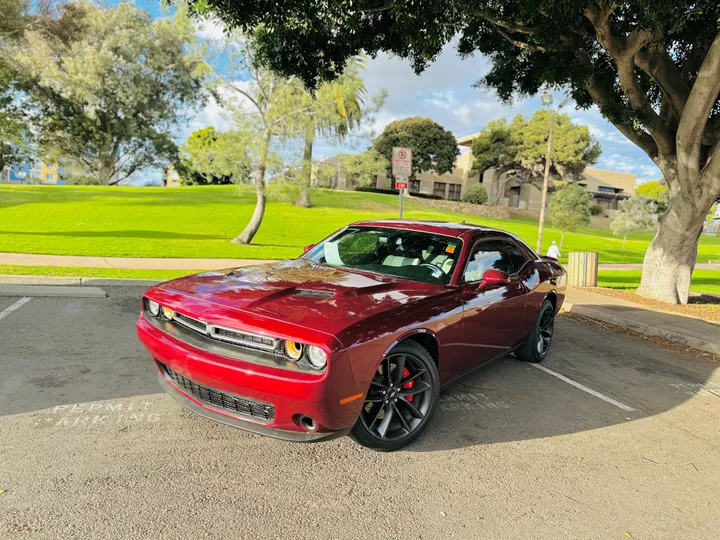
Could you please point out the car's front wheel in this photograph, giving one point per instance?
(402, 397)
(537, 345)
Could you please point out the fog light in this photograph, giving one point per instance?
(169, 313)
(153, 308)
(317, 357)
(293, 350)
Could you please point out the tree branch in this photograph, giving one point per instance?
(623, 51)
(638, 137)
(528, 30)
(521, 44)
(697, 111)
(657, 63)
(229, 84)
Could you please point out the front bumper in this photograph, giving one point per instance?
(320, 396)
(241, 423)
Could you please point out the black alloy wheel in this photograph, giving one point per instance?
(538, 343)
(402, 397)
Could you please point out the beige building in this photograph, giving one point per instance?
(171, 178)
(608, 187)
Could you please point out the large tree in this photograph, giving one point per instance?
(209, 157)
(569, 209)
(652, 68)
(506, 151)
(433, 147)
(635, 214)
(265, 112)
(336, 109)
(14, 134)
(109, 94)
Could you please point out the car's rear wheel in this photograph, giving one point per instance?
(538, 343)
(402, 398)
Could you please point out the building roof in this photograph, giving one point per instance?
(614, 179)
(467, 139)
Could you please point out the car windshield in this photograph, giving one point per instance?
(419, 256)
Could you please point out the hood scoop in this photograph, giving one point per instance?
(312, 293)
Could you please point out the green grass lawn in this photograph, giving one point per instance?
(200, 221)
(81, 271)
(702, 280)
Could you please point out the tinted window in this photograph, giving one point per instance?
(518, 259)
(487, 255)
(397, 252)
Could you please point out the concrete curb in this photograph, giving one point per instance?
(52, 290)
(76, 281)
(647, 329)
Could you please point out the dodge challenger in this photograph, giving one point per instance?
(358, 335)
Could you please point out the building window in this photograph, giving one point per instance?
(49, 177)
(603, 189)
(414, 186)
(439, 189)
(454, 192)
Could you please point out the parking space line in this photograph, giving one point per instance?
(584, 388)
(7, 311)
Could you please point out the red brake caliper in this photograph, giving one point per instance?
(406, 373)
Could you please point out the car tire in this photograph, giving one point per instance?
(537, 345)
(401, 399)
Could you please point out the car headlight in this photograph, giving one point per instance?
(169, 313)
(153, 308)
(317, 357)
(293, 350)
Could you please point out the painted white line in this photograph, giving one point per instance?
(584, 388)
(7, 311)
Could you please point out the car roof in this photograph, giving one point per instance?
(447, 228)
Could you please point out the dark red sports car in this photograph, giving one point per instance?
(358, 334)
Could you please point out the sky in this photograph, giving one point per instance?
(444, 92)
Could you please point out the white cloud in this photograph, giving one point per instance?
(210, 29)
(444, 92)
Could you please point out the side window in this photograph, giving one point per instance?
(484, 256)
(518, 258)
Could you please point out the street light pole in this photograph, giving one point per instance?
(543, 200)
(547, 100)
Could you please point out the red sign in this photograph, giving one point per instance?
(401, 185)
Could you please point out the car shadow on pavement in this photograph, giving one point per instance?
(509, 400)
(60, 351)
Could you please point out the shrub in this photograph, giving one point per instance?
(476, 194)
(596, 209)
(368, 189)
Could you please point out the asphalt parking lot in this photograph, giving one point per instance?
(613, 438)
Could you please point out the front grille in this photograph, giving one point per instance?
(242, 338)
(217, 398)
(191, 323)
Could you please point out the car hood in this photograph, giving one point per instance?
(303, 293)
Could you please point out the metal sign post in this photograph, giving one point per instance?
(401, 170)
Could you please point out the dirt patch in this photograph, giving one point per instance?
(702, 306)
(657, 341)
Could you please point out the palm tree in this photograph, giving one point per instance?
(337, 108)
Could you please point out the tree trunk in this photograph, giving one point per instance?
(105, 171)
(670, 260)
(562, 239)
(624, 239)
(254, 224)
(495, 181)
(306, 173)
